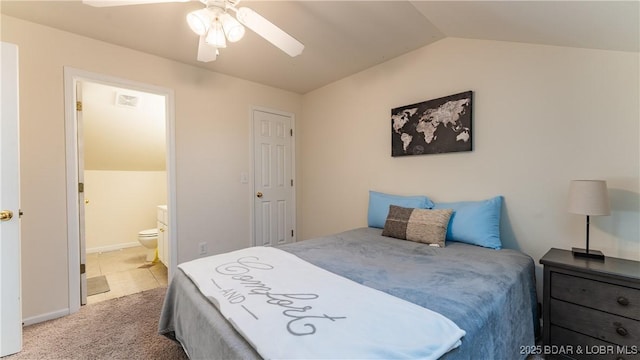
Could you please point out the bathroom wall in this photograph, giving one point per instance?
(121, 203)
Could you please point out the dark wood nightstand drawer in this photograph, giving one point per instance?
(592, 303)
(600, 325)
(611, 298)
(591, 348)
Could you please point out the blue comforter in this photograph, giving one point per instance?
(488, 293)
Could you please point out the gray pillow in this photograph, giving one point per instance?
(419, 225)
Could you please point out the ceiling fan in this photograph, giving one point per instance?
(215, 25)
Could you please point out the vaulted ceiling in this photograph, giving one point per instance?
(342, 37)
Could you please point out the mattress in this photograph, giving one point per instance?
(488, 293)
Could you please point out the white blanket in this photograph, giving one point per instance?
(287, 308)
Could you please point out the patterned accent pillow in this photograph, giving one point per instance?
(419, 225)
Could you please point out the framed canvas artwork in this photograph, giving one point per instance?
(435, 126)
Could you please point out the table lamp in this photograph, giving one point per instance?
(590, 198)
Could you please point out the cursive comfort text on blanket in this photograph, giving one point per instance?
(303, 320)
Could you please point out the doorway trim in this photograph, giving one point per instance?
(252, 215)
(71, 77)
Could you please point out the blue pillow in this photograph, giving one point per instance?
(379, 206)
(475, 222)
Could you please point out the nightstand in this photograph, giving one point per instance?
(591, 307)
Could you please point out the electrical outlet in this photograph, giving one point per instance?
(203, 248)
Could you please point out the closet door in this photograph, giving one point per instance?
(274, 208)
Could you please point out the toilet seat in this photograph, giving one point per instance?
(148, 233)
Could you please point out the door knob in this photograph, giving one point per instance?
(259, 194)
(6, 215)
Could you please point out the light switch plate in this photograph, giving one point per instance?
(203, 248)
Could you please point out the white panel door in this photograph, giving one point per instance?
(10, 297)
(273, 179)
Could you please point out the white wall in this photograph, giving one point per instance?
(212, 137)
(123, 138)
(542, 115)
(121, 203)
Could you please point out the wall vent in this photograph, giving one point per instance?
(127, 100)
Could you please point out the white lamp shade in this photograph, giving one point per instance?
(199, 21)
(215, 36)
(232, 28)
(589, 197)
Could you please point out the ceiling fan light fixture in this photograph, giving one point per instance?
(199, 21)
(215, 36)
(214, 25)
(232, 28)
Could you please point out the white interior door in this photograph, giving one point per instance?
(81, 197)
(10, 292)
(274, 207)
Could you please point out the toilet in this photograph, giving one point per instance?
(149, 239)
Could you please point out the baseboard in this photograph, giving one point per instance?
(45, 317)
(115, 247)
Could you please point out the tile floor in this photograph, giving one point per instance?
(126, 271)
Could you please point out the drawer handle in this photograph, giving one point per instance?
(623, 301)
(622, 331)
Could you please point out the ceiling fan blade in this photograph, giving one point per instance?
(109, 3)
(269, 31)
(206, 52)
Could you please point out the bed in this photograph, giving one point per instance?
(490, 294)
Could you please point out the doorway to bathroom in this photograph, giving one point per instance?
(123, 168)
(121, 186)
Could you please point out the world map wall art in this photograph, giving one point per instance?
(432, 127)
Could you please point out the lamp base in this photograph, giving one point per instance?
(592, 254)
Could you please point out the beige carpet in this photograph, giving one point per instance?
(122, 328)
